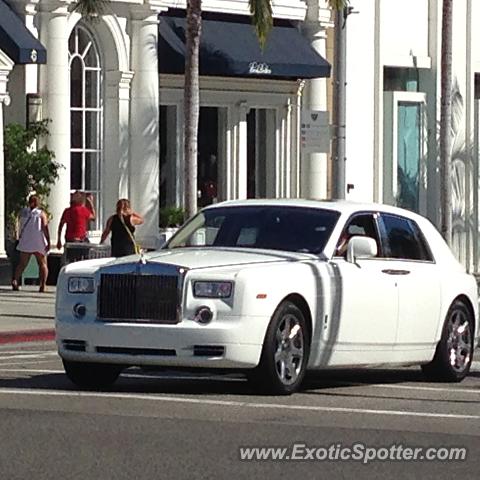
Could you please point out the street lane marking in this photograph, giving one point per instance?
(428, 389)
(29, 355)
(30, 370)
(32, 362)
(408, 387)
(234, 403)
(24, 351)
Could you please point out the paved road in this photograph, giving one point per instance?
(159, 425)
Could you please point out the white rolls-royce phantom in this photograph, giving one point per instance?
(273, 288)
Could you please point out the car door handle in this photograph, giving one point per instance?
(392, 271)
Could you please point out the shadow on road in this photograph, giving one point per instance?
(134, 380)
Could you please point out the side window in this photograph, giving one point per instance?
(359, 225)
(403, 239)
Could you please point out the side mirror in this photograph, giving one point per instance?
(361, 247)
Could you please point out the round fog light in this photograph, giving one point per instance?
(203, 315)
(79, 310)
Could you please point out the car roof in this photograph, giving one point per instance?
(346, 207)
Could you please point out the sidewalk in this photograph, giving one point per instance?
(26, 315)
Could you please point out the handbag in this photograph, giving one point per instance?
(21, 232)
(136, 246)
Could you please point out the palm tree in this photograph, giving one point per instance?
(261, 12)
(446, 124)
(90, 8)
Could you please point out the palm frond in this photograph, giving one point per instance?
(262, 21)
(90, 8)
(338, 4)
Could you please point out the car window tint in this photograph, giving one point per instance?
(247, 237)
(270, 227)
(404, 239)
(359, 225)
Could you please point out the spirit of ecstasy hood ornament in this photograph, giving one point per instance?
(142, 258)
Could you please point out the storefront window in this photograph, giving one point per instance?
(408, 155)
(405, 150)
(86, 115)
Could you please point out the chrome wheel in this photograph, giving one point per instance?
(285, 352)
(459, 341)
(453, 355)
(289, 349)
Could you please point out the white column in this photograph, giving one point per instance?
(4, 99)
(280, 151)
(55, 85)
(314, 167)
(116, 159)
(144, 137)
(230, 167)
(241, 151)
(295, 180)
(287, 156)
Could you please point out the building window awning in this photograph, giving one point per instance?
(229, 47)
(16, 40)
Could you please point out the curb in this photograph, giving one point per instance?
(27, 336)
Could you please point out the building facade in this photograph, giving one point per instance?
(393, 111)
(19, 50)
(113, 90)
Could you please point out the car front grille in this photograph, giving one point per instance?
(139, 298)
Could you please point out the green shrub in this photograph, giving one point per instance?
(171, 217)
(27, 169)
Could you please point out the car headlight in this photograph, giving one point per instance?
(212, 289)
(81, 285)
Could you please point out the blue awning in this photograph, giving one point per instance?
(16, 40)
(229, 47)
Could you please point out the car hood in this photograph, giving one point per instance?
(193, 258)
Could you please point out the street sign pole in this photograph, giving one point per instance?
(339, 103)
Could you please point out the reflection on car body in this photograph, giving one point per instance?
(273, 288)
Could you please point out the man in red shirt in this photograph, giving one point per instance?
(76, 217)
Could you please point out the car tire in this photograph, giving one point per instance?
(454, 352)
(284, 357)
(91, 375)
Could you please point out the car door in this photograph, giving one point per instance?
(411, 264)
(365, 303)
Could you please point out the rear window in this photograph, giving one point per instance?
(403, 239)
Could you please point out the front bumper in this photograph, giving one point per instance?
(233, 342)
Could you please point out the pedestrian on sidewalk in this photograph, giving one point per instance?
(76, 217)
(34, 239)
(122, 227)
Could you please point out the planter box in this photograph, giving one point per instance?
(164, 235)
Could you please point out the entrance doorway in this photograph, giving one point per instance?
(261, 153)
(207, 163)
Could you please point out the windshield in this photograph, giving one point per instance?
(294, 229)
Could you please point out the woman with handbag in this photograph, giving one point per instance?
(122, 226)
(34, 239)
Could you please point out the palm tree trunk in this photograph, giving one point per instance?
(192, 103)
(446, 124)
